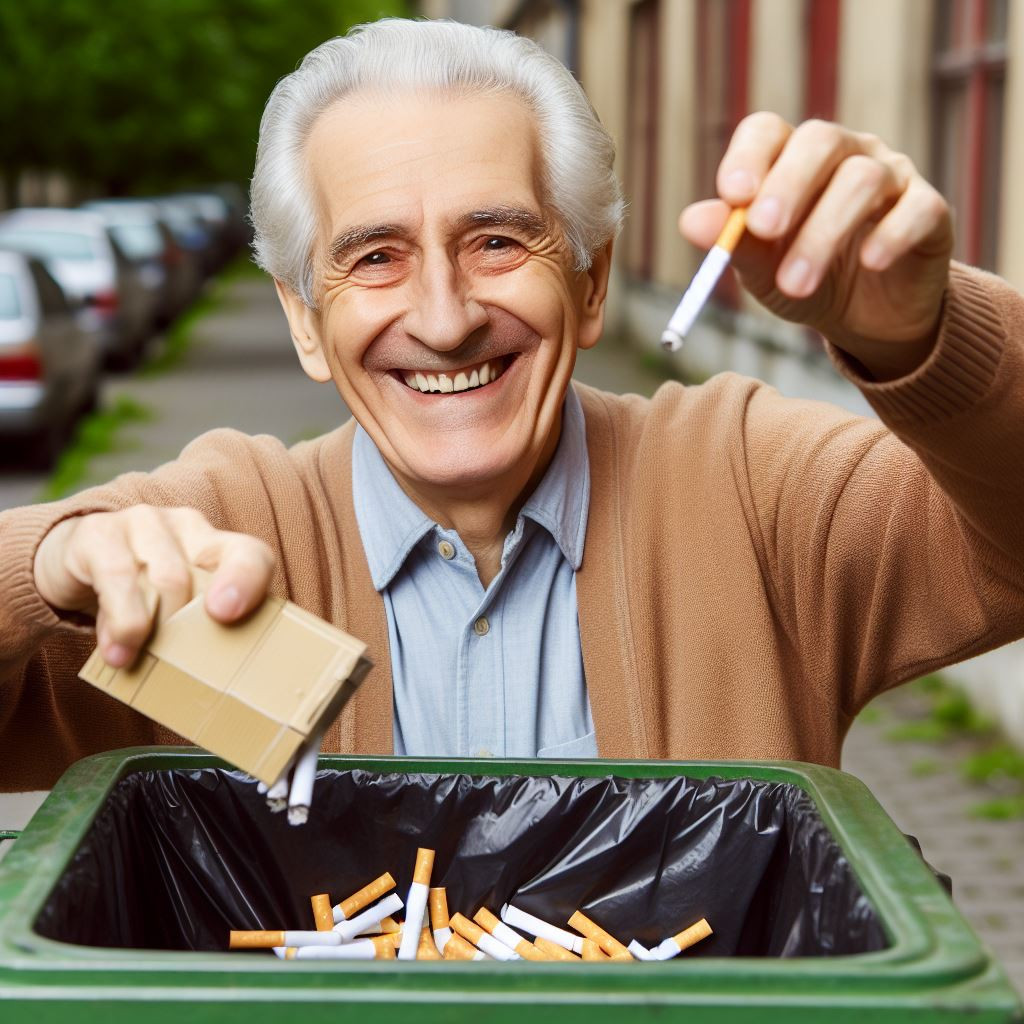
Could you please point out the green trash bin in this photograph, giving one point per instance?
(75, 908)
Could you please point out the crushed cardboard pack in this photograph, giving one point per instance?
(253, 692)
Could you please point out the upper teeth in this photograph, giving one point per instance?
(479, 376)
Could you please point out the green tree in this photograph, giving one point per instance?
(143, 95)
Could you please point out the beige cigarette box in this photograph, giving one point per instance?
(252, 692)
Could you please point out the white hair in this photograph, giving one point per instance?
(441, 56)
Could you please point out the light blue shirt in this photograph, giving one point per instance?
(483, 673)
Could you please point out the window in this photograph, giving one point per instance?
(968, 85)
(642, 138)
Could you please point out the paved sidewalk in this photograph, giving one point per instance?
(242, 372)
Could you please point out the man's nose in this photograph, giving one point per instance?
(441, 314)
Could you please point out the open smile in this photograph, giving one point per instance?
(466, 378)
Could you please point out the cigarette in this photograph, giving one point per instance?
(389, 926)
(267, 940)
(704, 281)
(300, 796)
(364, 949)
(481, 939)
(640, 952)
(322, 912)
(457, 948)
(502, 932)
(674, 945)
(439, 917)
(416, 904)
(592, 950)
(277, 795)
(535, 926)
(591, 930)
(353, 926)
(426, 949)
(363, 898)
(554, 950)
(261, 788)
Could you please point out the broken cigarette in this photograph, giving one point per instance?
(439, 917)
(554, 950)
(269, 939)
(364, 949)
(300, 795)
(501, 931)
(457, 948)
(353, 926)
(517, 918)
(639, 951)
(591, 930)
(482, 940)
(704, 281)
(322, 912)
(416, 904)
(675, 944)
(363, 898)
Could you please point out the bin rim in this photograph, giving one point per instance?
(932, 947)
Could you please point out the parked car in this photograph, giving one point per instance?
(191, 232)
(80, 251)
(149, 243)
(49, 366)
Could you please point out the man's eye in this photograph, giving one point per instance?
(376, 259)
(497, 244)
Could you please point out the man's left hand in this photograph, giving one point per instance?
(843, 234)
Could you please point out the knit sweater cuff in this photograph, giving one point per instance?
(959, 370)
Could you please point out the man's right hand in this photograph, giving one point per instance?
(100, 564)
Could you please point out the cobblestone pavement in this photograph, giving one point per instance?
(242, 372)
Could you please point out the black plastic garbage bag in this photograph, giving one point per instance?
(175, 859)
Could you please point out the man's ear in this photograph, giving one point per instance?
(595, 291)
(304, 324)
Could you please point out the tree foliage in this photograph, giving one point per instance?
(141, 95)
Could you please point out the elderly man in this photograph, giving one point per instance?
(542, 569)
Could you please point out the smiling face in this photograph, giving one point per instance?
(449, 315)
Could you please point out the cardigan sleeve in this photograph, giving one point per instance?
(891, 552)
(48, 717)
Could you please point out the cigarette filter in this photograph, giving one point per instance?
(704, 281)
(267, 940)
(364, 897)
(300, 794)
(481, 939)
(608, 943)
(592, 951)
(457, 948)
(640, 951)
(426, 949)
(674, 945)
(322, 912)
(554, 950)
(364, 949)
(535, 926)
(389, 925)
(439, 917)
(349, 929)
(416, 904)
(511, 938)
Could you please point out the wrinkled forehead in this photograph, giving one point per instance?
(422, 160)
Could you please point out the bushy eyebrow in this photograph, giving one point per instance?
(515, 217)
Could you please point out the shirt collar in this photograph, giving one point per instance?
(391, 524)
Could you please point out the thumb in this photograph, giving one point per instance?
(701, 223)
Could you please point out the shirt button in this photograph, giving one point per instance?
(446, 549)
(481, 627)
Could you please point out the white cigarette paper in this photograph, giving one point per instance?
(639, 951)
(535, 926)
(416, 905)
(348, 930)
(300, 795)
(675, 944)
(277, 795)
(363, 949)
(441, 937)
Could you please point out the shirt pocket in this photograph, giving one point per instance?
(582, 746)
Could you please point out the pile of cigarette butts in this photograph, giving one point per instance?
(359, 928)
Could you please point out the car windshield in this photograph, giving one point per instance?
(54, 245)
(139, 241)
(10, 307)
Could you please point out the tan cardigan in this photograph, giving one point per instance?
(756, 568)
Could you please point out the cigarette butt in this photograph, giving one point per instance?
(395, 937)
(535, 926)
(389, 926)
(488, 943)
(591, 930)
(384, 946)
(552, 950)
(348, 930)
(269, 939)
(427, 950)
(626, 957)
(692, 935)
(289, 952)
(509, 936)
(640, 951)
(364, 949)
(592, 951)
(457, 948)
(438, 908)
(322, 913)
(364, 897)
(424, 866)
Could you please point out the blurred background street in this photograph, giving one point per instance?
(131, 321)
